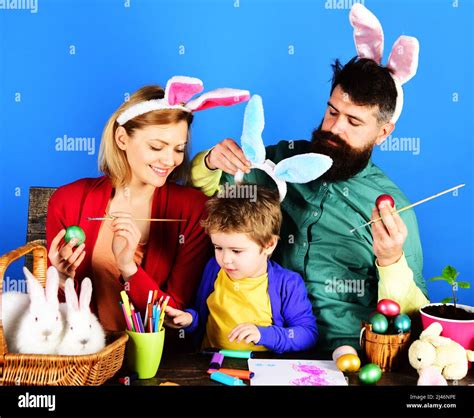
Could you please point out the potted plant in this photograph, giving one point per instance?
(457, 320)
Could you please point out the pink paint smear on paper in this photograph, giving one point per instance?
(315, 376)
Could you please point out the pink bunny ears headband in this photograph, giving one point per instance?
(178, 93)
(369, 40)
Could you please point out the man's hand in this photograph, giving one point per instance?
(389, 235)
(228, 157)
(247, 332)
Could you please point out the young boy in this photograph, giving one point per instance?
(246, 301)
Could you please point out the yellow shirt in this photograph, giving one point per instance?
(235, 302)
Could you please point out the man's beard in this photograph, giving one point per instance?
(347, 161)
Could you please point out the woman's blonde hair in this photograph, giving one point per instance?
(113, 161)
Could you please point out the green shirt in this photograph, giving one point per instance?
(338, 266)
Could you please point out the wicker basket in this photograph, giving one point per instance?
(33, 369)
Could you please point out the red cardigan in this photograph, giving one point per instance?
(171, 266)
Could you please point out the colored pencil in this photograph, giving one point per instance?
(162, 315)
(127, 319)
(150, 295)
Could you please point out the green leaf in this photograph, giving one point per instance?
(438, 278)
(464, 285)
(449, 272)
(446, 300)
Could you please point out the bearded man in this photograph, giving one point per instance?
(345, 272)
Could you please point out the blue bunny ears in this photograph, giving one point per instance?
(301, 168)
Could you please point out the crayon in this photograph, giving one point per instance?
(226, 379)
(241, 374)
(216, 361)
(237, 353)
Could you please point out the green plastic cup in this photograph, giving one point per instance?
(144, 350)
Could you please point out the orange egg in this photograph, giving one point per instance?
(348, 363)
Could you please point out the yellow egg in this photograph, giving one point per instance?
(343, 349)
(348, 363)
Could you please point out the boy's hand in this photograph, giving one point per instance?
(247, 332)
(177, 319)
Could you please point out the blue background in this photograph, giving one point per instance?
(281, 50)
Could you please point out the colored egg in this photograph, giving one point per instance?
(379, 323)
(388, 307)
(348, 363)
(343, 349)
(402, 323)
(370, 374)
(385, 198)
(75, 232)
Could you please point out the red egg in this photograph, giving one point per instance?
(388, 307)
(385, 198)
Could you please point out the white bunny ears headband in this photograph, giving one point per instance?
(178, 93)
(301, 168)
(369, 41)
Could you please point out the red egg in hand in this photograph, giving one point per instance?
(385, 198)
(388, 307)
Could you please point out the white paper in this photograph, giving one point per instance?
(271, 372)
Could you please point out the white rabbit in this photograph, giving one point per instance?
(32, 322)
(83, 332)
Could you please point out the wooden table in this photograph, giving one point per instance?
(190, 369)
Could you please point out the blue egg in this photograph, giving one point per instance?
(402, 323)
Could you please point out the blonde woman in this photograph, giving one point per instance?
(143, 154)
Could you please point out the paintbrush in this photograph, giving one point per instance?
(410, 206)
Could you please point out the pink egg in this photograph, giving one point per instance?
(388, 307)
(343, 349)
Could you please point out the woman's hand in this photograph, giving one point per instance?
(177, 319)
(125, 242)
(64, 257)
(247, 332)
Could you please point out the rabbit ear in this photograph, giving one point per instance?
(86, 294)
(35, 290)
(368, 33)
(303, 168)
(403, 60)
(71, 296)
(219, 97)
(254, 122)
(180, 89)
(52, 285)
(434, 330)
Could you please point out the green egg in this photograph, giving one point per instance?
(379, 323)
(402, 323)
(75, 232)
(370, 374)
